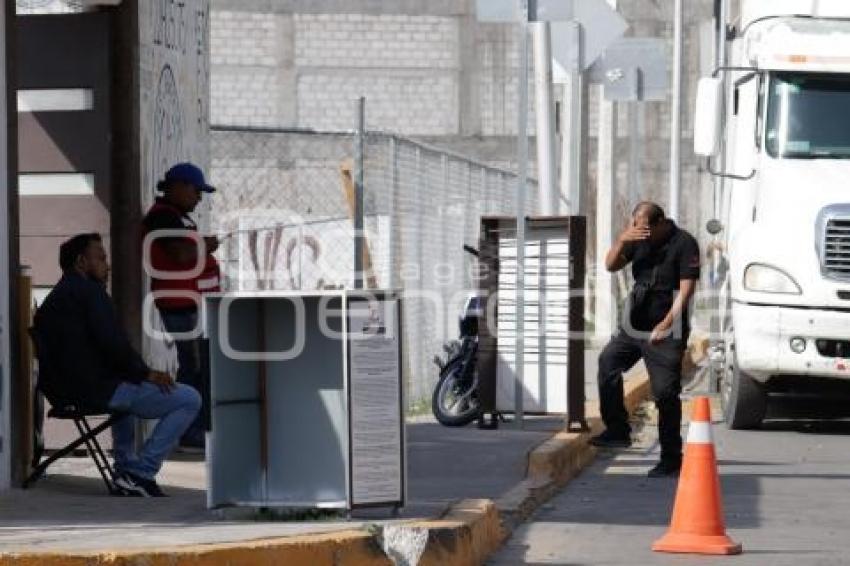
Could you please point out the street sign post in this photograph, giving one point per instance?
(522, 187)
(601, 25)
(632, 69)
(581, 31)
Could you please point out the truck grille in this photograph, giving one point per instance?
(836, 251)
(833, 348)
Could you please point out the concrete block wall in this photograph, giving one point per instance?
(247, 63)
(425, 69)
(405, 66)
(430, 70)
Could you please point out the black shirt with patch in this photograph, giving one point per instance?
(663, 266)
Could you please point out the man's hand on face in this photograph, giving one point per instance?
(634, 233)
(163, 380)
(212, 243)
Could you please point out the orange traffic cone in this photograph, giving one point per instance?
(697, 525)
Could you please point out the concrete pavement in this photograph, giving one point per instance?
(786, 493)
(69, 510)
(467, 489)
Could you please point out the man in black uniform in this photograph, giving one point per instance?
(666, 265)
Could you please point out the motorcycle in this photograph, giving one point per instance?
(455, 401)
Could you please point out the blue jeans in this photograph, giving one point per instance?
(175, 410)
(189, 363)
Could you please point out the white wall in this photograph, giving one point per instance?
(173, 107)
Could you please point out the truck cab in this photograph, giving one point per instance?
(774, 123)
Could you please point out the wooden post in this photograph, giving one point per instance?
(346, 173)
(23, 428)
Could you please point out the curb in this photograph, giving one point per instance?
(558, 460)
(356, 548)
(552, 464)
(485, 525)
(469, 532)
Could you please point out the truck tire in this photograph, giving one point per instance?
(744, 400)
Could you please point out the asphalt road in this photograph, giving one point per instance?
(786, 493)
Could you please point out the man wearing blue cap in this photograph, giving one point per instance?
(182, 268)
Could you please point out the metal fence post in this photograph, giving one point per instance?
(521, 190)
(394, 238)
(358, 193)
(297, 173)
(444, 201)
(419, 330)
(485, 194)
(469, 206)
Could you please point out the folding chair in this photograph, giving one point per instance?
(78, 414)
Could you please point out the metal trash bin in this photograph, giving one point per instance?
(306, 399)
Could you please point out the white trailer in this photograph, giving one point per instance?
(776, 115)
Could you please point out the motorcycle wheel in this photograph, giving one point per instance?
(455, 403)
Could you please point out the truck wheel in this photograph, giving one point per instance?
(744, 399)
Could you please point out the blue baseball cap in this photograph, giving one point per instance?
(186, 173)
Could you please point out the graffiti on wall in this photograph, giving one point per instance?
(167, 122)
(174, 94)
(175, 87)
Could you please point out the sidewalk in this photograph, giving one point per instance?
(68, 512)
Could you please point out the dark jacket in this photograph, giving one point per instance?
(86, 352)
(661, 268)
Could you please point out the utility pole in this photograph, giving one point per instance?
(544, 109)
(574, 120)
(676, 113)
(722, 16)
(359, 158)
(605, 192)
(522, 186)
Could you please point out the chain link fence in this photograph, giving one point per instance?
(285, 213)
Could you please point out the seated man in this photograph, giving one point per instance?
(92, 364)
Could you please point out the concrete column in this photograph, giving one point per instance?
(544, 112)
(126, 199)
(574, 124)
(676, 111)
(468, 50)
(287, 77)
(606, 189)
(8, 242)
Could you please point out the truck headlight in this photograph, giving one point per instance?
(768, 279)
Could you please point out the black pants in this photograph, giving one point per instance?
(664, 364)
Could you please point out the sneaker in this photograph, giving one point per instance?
(610, 440)
(665, 469)
(136, 486)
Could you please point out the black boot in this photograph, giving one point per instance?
(610, 439)
(666, 469)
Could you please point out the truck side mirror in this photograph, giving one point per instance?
(707, 120)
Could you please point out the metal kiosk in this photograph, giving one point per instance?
(306, 400)
(554, 316)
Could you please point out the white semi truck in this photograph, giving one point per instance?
(774, 123)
